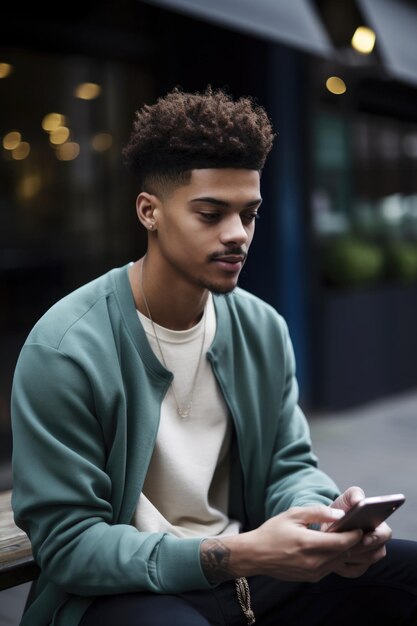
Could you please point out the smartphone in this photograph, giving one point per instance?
(368, 513)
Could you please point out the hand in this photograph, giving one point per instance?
(372, 547)
(285, 548)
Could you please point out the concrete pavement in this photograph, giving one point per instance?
(374, 446)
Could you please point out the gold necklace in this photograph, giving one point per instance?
(183, 411)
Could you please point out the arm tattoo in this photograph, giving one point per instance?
(215, 557)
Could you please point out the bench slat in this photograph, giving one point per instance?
(16, 561)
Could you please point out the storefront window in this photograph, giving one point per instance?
(66, 201)
(364, 199)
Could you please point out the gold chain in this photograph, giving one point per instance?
(243, 595)
(185, 410)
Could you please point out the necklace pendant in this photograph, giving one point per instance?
(184, 411)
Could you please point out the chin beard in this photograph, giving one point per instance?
(218, 290)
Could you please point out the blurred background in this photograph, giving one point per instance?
(336, 246)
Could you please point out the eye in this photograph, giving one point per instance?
(209, 216)
(250, 217)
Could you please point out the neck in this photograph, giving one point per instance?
(172, 304)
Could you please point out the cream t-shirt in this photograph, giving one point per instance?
(186, 489)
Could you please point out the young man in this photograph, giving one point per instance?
(162, 467)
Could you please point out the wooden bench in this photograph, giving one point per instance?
(16, 561)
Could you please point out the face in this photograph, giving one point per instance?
(203, 230)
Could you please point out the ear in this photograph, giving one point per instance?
(146, 204)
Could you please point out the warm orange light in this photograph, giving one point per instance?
(68, 151)
(12, 140)
(59, 135)
(102, 142)
(336, 85)
(5, 70)
(87, 91)
(29, 186)
(52, 121)
(21, 151)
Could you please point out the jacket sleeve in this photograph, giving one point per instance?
(294, 478)
(62, 493)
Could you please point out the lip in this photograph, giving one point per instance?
(231, 264)
(231, 258)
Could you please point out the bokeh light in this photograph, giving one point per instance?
(11, 140)
(68, 151)
(336, 85)
(363, 40)
(87, 91)
(52, 121)
(5, 70)
(21, 151)
(102, 142)
(59, 135)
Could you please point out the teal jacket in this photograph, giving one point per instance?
(86, 401)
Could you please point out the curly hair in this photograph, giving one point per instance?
(186, 131)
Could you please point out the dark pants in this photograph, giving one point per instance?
(385, 596)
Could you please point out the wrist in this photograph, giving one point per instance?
(225, 558)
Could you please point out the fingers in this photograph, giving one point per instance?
(369, 557)
(381, 534)
(372, 542)
(355, 565)
(370, 550)
(335, 543)
(351, 570)
(325, 516)
(348, 565)
(316, 514)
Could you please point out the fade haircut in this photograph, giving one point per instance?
(186, 131)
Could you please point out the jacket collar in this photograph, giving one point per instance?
(137, 334)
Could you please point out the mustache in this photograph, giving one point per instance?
(229, 252)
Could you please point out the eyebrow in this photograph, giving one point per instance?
(224, 204)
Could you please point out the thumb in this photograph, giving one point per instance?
(351, 496)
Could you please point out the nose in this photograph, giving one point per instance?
(234, 232)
